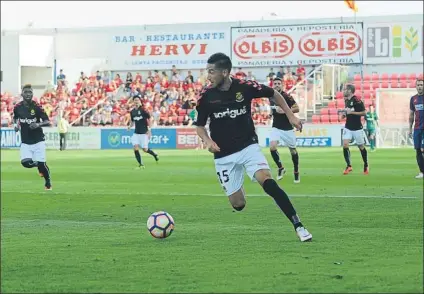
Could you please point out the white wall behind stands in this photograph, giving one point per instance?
(10, 64)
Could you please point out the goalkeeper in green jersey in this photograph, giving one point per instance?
(372, 124)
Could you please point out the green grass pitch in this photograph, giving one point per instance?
(89, 234)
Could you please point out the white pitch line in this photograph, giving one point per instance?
(118, 193)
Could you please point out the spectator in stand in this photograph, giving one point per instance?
(155, 114)
(163, 115)
(138, 78)
(187, 121)
(280, 73)
(176, 77)
(300, 70)
(49, 87)
(189, 78)
(106, 78)
(271, 74)
(98, 76)
(250, 76)
(150, 76)
(165, 76)
(172, 95)
(289, 81)
(118, 80)
(61, 77)
(95, 118)
(289, 70)
(300, 78)
(170, 122)
(203, 77)
(128, 82)
(240, 74)
(6, 118)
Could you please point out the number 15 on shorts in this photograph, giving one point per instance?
(223, 176)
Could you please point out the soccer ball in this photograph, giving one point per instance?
(160, 224)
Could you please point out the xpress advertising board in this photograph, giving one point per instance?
(291, 45)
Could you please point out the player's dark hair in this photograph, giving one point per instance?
(278, 79)
(27, 86)
(351, 88)
(221, 61)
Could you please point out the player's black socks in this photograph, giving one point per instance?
(271, 187)
(420, 160)
(346, 153)
(44, 169)
(276, 157)
(364, 154)
(295, 159)
(150, 151)
(138, 157)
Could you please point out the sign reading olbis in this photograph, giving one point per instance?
(301, 44)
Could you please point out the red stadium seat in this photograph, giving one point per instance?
(368, 102)
(180, 119)
(403, 84)
(334, 118)
(394, 77)
(325, 119)
(182, 112)
(420, 76)
(403, 77)
(367, 78)
(367, 95)
(375, 84)
(331, 104)
(340, 104)
(316, 119)
(413, 84)
(412, 76)
(324, 111)
(366, 86)
(384, 85)
(339, 95)
(357, 78)
(385, 77)
(394, 84)
(358, 93)
(375, 77)
(332, 111)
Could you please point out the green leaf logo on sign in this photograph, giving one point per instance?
(411, 39)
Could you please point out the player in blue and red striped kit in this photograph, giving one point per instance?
(416, 120)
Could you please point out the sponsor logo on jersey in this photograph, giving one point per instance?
(32, 112)
(233, 113)
(27, 120)
(137, 118)
(419, 107)
(239, 97)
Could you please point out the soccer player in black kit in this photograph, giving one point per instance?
(233, 140)
(283, 131)
(353, 129)
(140, 138)
(28, 118)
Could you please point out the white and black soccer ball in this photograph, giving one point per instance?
(160, 224)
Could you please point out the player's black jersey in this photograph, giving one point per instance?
(353, 122)
(140, 117)
(231, 125)
(26, 115)
(280, 120)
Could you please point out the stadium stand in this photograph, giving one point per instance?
(96, 100)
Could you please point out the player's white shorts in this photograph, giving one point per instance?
(140, 139)
(230, 169)
(286, 137)
(358, 136)
(37, 152)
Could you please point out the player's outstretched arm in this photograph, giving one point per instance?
(203, 134)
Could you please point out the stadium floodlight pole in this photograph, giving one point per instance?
(88, 110)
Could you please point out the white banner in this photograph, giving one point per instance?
(148, 51)
(76, 138)
(289, 45)
(387, 43)
(311, 136)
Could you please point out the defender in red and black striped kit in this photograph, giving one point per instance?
(233, 140)
(29, 117)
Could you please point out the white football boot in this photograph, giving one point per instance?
(419, 176)
(281, 172)
(303, 234)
